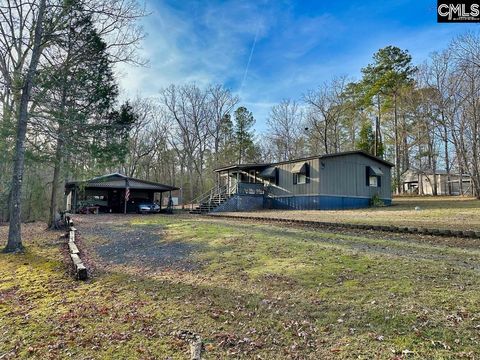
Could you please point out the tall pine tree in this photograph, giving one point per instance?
(383, 80)
(366, 140)
(244, 136)
(77, 95)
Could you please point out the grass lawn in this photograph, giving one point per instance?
(461, 213)
(249, 290)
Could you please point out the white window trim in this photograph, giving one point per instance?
(301, 179)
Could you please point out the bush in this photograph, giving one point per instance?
(375, 201)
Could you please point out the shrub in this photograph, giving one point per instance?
(375, 201)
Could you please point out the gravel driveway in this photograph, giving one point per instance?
(115, 241)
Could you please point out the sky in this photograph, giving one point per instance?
(268, 50)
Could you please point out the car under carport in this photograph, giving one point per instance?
(113, 193)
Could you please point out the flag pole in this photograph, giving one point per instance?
(127, 195)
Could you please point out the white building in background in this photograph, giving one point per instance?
(422, 183)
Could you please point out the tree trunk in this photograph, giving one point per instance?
(397, 145)
(52, 224)
(14, 242)
(325, 137)
(406, 153)
(378, 134)
(460, 181)
(420, 168)
(475, 152)
(447, 160)
(190, 183)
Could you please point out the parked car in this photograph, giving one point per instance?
(145, 207)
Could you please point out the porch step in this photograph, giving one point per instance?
(204, 208)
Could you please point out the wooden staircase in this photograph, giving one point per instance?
(210, 201)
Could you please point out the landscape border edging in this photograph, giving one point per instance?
(81, 272)
(388, 228)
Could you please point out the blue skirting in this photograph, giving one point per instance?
(317, 202)
(242, 203)
(320, 202)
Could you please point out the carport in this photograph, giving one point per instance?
(113, 193)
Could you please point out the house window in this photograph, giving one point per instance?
(301, 178)
(373, 176)
(301, 173)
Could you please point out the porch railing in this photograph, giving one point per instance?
(245, 188)
(209, 196)
(214, 194)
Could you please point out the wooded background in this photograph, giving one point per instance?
(62, 118)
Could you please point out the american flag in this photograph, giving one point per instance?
(127, 194)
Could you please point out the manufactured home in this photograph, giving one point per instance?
(335, 181)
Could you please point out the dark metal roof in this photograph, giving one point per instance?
(268, 173)
(345, 153)
(359, 152)
(120, 181)
(242, 167)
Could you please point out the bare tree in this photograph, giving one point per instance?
(438, 76)
(466, 122)
(187, 108)
(142, 145)
(326, 110)
(22, 38)
(28, 34)
(221, 104)
(285, 130)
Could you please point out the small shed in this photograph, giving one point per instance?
(113, 193)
